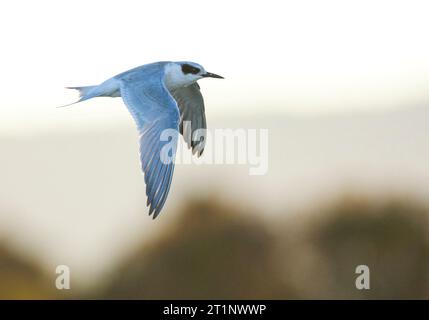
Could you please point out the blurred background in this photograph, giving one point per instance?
(342, 87)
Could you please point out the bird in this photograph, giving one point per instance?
(161, 97)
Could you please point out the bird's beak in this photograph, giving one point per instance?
(212, 75)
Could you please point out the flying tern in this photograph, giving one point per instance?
(164, 99)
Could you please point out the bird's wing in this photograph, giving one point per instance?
(193, 119)
(155, 111)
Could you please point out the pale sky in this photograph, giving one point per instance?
(291, 56)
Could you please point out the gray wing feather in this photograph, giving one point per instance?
(154, 110)
(193, 124)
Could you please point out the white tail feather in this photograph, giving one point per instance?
(109, 88)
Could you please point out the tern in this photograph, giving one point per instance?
(164, 99)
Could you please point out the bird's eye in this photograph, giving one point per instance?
(187, 68)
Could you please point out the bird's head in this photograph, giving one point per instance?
(184, 73)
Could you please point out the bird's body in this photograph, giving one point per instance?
(164, 99)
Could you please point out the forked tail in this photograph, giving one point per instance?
(109, 88)
(85, 93)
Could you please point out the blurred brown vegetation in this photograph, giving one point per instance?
(216, 251)
(20, 278)
(212, 252)
(390, 237)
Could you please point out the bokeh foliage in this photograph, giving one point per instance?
(215, 250)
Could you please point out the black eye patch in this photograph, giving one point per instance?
(187, 68)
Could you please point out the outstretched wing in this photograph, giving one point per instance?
(192, 115)
(157, 118)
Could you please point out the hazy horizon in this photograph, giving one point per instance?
(55, 186)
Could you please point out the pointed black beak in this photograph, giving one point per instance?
(212, 75)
